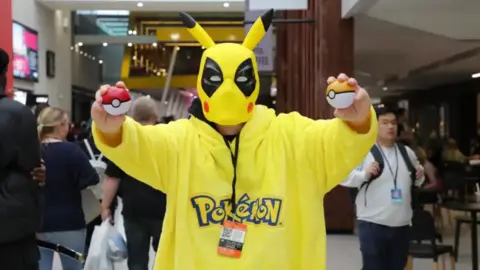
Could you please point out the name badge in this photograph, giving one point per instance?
(396, 195)
(232, 238)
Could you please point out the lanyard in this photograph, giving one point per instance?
(394, 175)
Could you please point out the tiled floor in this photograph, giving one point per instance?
(344, 254)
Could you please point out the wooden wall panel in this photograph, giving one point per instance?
(307, 54)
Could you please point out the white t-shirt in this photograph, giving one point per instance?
(376, 204)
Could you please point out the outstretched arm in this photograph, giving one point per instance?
(143, 152)
(338, 148)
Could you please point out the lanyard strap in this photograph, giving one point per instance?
(394, 175)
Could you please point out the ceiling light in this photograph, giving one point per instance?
(81, 52)
(158, 73)
(226, 5)
(140, 4)
(134, 32)
(129, 44)
(93, 58)
(134, 58)
(105, 44)
(80, 44)
(166, 102)
(71, 48)
(175, 36)
(130, 32)
(100, 62)
(476, 75)
(177, 48)
(203, 47)
(385, 88)
(154, 44)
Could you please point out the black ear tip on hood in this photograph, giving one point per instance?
(187, 20)
(267, 18)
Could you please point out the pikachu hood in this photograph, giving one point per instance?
(272, 176)
(228, 82)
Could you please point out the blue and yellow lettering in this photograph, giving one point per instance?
(265, 211)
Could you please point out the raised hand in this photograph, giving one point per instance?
(358, 113)
(105, 122)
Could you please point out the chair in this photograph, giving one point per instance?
(458, 224)
(62, 250)
(423, 230)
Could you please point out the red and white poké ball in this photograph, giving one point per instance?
(116, 101)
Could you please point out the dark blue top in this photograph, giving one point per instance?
(68, 172)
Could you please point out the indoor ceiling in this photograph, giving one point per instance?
(408, 45)
(147, 5)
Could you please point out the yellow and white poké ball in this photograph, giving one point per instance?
(340, 95)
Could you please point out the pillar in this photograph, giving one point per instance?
(6, 42)
(60, 87)
(307, 54)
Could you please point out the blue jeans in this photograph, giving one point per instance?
(383, 247)
(70, 239)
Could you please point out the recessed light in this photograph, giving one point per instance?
(476, 75)
(105, 44)
(226, 5)
(93, 58)
(134, 58)
(158, 73)
(81, 52)
(203, 47)
(140, 4)
(134, 32)
(100, 62)
(177, 48)
(129, 44)
(385, 88)
(130, 32)
(154, 44)
(166, 102)
(80, 44)
(71, 48)
(175, 36)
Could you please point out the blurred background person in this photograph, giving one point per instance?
(143, 207)
(451, 153)
(68, 173)
(20, 211)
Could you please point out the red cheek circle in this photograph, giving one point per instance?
(250, 107)
(206, 107)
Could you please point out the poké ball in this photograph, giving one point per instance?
(116, 101)
(340, 95)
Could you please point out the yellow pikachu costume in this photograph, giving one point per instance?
(272, 176)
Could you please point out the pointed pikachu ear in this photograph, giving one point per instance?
(196, 30)
(258, 30)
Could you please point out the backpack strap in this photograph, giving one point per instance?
(377, 156)
(412, 170)
(408, 161)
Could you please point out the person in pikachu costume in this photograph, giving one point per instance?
(244, 186)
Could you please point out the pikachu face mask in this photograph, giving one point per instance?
(228, 82)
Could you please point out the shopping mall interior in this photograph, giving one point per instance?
(423, 56)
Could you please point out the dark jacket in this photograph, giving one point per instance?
(19, 154)
(68, 173)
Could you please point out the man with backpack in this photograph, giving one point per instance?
(21, 175)
(385, 181)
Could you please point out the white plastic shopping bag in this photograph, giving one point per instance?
(97, 258)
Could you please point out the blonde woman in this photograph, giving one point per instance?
(68, 173)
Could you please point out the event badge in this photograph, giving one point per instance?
(232, 238)
(396, 195)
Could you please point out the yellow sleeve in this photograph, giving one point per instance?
(335, 149)
(145, 152)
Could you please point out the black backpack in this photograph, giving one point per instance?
(378, 157)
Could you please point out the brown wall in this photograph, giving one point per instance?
(307, 54)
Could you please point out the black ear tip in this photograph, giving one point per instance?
(187, 20)
(267, 18)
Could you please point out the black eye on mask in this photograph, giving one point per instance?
(212, 77)
(245, 77)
